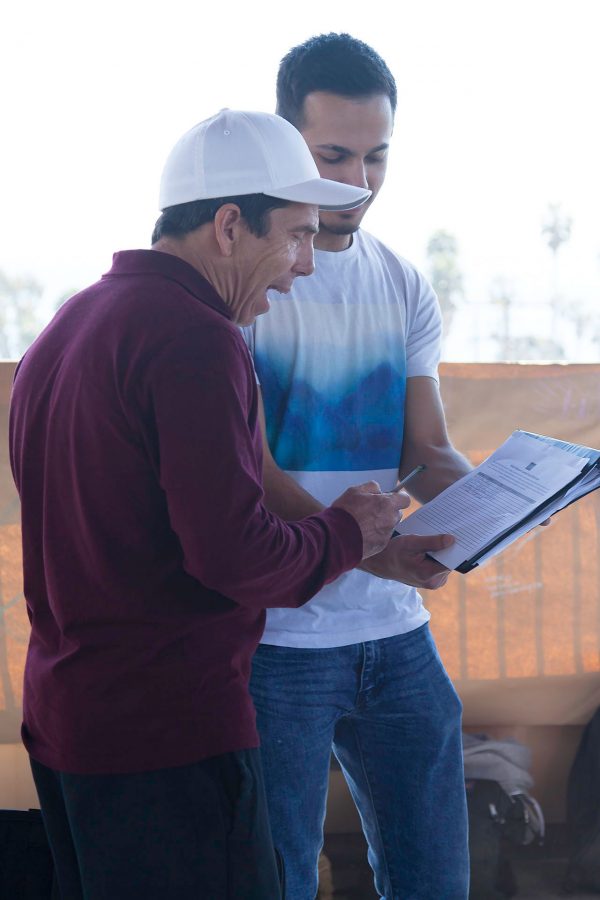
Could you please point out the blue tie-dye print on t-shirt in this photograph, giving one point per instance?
(327, 417)
(360, 430)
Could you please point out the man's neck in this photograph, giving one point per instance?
(191, 248)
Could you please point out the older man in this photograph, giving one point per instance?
(149, 557)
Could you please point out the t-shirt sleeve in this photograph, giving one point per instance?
(424, 327)
(204, 410)
(249, 334)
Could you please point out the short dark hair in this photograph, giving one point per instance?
(337, 63)
(177, 221)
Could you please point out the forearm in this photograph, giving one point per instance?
(380, 565)
(426, 442)
(284, 496)
(444, 463)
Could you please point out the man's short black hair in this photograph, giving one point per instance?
(177, 221)
(337, 63)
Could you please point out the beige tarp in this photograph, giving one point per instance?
(520, 636)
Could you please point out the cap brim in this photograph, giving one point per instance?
(327, 194)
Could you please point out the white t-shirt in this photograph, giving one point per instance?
(332, 358)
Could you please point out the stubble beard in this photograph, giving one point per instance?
(340, 229)
(333, 223)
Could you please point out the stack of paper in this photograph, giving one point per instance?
(526, 480)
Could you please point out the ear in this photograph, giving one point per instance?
(227, 224)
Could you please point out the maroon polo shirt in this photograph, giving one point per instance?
(149, 557)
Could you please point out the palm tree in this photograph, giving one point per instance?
(444, 273)
(556, 228)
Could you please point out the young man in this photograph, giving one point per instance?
(347, 365)
(149, 557)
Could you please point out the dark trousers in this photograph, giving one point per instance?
(198, 832)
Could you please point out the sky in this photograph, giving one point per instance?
(497, 118)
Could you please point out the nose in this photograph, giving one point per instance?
(356, 174)
(305, 261)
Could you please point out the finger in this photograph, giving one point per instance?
(369, 487)
(437, 581)
(422, 543)
(398, 502)
(406, 499)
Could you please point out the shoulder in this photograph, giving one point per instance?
(212, 340)
(415, 284)
(203, 359)
(199, 341)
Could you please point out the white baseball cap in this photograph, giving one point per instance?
(236, 153)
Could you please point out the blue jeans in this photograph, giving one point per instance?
(393, 719)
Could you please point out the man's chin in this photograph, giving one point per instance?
(347, 222)
(339, 227)
(249, 315)
(261, 308)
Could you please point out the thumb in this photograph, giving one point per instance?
(422, 543)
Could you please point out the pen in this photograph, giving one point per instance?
(406, 478)
(401, 484)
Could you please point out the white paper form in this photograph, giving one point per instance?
(522, 473)
(588, 483)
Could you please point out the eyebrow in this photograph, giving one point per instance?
(309, 229)
(346, 150)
